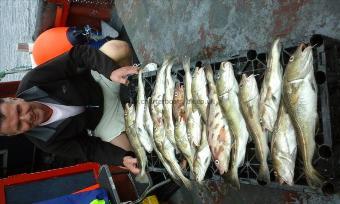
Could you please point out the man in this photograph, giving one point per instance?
(60, 101)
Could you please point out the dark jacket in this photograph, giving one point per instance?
(67, 80)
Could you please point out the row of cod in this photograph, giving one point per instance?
(213, 117)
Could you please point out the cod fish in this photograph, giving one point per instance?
(227, 88)
(202, 157)
(219, 135)
(283, 147)
(271, 89)
(182, 141)
(130, 116)
(158, 93)
(162, 143)
(300, 98)
(249, 102)
(178, 108)
(164, 162)
(199, 92)
(187, 86)
(140, 110)
(168, 152)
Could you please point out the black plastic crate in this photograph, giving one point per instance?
(326, 52)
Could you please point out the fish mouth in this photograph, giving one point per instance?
(243, 80)
(129, 106)
(305, 49)
(251, 86)
(277, 46)
(248, 80)
(200, 70)
(225, 66)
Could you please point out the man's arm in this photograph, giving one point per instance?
(78, 60)
(85, 148)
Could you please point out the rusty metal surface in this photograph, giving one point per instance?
(215, 192)
(216, 30)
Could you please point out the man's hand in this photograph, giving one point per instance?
(121, 75)
(131, 164)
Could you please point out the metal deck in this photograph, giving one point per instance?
(216, 30)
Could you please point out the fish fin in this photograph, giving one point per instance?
(263, 177)
(232, 178)
(314, 179)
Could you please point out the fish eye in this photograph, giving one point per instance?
(176, 94)
(217, 162)
(291, 58)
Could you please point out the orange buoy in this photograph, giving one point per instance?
(51, 43)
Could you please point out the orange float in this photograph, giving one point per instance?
(51, 43)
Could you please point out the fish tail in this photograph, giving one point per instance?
(314, 179)
(143, 165)
(142, 172)
(232, 178)
(140, 178)
(263, 177)
(187, 183)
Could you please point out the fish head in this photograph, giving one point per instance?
(198, 73)
(300, 63)
(225, 78)
(276, 48)
(199, 170)
(199, 80)
(220, 165)
(248, 88)
(179, 92)
(130, 113)
(284, 176)
(199, 176)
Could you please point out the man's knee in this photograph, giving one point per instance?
(122, 141)
(119, 51)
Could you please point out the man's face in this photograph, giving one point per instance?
(20, 116)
